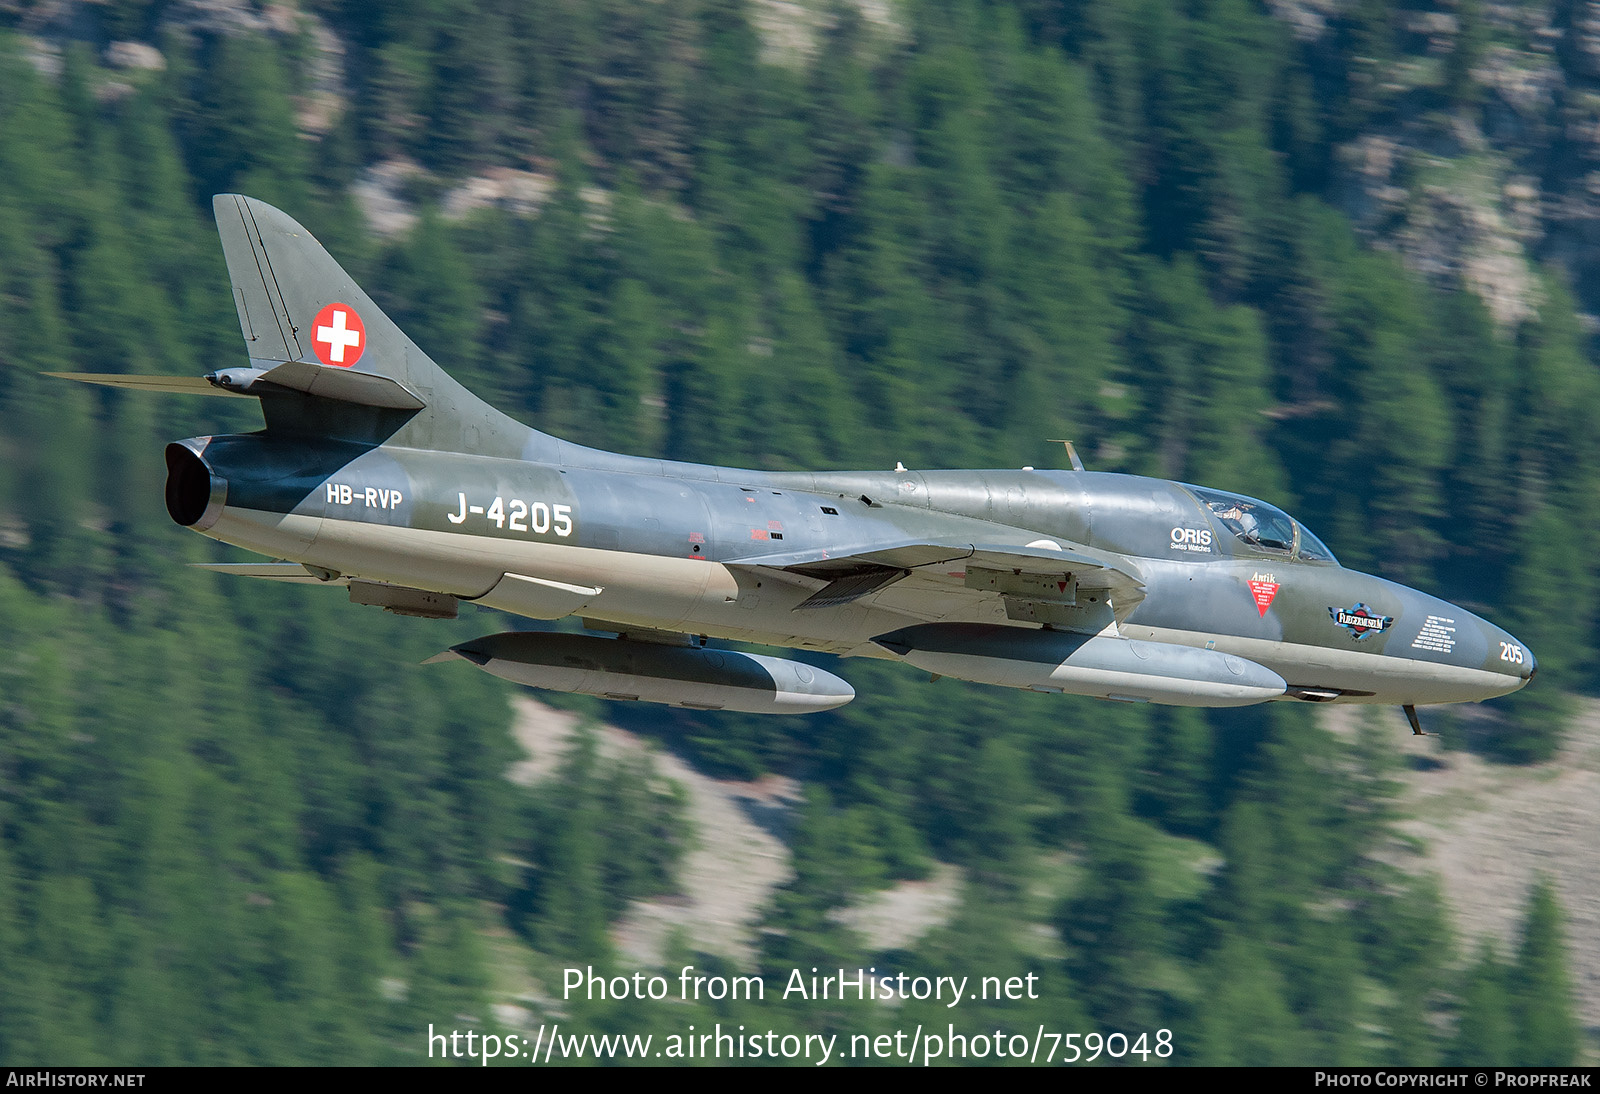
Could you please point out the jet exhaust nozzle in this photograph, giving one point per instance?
(195, 493)
(680, 676)
(1102, 666)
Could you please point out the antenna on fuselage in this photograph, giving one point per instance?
(1072, 453)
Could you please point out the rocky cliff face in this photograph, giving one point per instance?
(1479, 156)
(1476, 157)
(51, 25)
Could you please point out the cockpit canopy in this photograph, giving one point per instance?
(1262, 528)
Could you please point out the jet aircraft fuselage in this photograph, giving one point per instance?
(378, 472)
(655, 538)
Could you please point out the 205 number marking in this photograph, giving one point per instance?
(1511, 652)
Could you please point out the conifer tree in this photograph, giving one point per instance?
(1541, 986)
(1485, 1034)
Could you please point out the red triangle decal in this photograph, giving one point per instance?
(1264, 592)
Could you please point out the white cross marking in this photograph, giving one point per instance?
(338, 336)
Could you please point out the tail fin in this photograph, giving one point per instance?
(307, 323)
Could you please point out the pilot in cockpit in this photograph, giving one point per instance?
(1238, 519)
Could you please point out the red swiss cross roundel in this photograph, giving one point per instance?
(338, 336)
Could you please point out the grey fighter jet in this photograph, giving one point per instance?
(378, 472)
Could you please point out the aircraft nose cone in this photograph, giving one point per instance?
(1507, 654)
(1475, 660)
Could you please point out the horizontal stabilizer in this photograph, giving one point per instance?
(176, 385)
(272, 571)
(345, 385)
